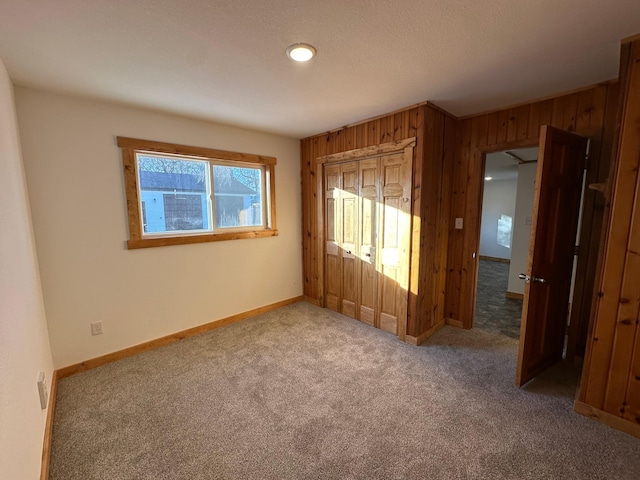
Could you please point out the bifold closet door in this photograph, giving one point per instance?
(332, 226)
(348, 240)
(341, 238)
(394, 240)
(368, 277)
(367, 233)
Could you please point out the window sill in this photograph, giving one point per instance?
(209, 237)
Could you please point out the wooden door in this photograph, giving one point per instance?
(553, 233)
(369, 215)
(332, 227)
(348, 240)
(394, 239)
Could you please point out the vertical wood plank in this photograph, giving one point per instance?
(512, 125)
(503, 124)
(417, 127)
(350, 140)
(584, 109)
(570, 113)
(600, 389)
(492, 136)
(546, 110)
(523, 122)
(533, 126)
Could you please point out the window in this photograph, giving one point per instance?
(178, 194)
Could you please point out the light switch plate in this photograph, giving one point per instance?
(458, 224)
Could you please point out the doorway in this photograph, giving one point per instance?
(548, 278)
(505, 228)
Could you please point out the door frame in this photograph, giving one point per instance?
(407, 145)
(482, 152)
(486, 151)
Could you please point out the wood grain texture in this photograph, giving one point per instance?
(174, 337)
(175, 149)
(584, 112)
(611, 377)
(190, 239)
(372, 151)
(556, 204)
(607, 418)
(431, 178)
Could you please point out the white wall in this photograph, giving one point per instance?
(498, 199)
(522, 226)
(76, 187)
(24, 341)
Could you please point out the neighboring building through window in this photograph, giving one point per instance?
(178, 194)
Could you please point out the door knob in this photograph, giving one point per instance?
(528, 279)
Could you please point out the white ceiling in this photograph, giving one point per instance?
(224, 60)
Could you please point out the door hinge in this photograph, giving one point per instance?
(576, 250)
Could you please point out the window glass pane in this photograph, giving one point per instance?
(237, 196)
(173, 194)
(505, 225)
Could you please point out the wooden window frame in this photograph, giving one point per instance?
(131, 146)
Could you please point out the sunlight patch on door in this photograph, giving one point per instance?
(505, 227)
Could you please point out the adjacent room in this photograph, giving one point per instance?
(505, 230)
(302, 239)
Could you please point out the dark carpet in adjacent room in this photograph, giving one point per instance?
(495, 312)
(305, 393)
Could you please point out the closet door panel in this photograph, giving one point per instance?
(332, 215)
(349, 241)
(394, 233)
(369, 191)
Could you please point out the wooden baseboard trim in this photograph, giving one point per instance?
(410, 339)
(601, 416)
(174, 337)
(453, 322)
(515, 296)
(312, 301)
(494, 259)
(48, 428)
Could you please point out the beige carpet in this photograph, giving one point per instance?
(304, 393)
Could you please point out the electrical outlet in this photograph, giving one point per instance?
(43, 391)
(458, 224)
(96, 328)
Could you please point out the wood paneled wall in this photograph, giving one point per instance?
(448, 181)
(433, 130)
(610, 389)
(590, 113)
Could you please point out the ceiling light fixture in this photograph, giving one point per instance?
(301, 52)
(488, 178)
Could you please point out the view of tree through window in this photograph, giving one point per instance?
(175, 195)
(180, 194)
(237, 193)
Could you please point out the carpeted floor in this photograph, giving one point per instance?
(494, 312)
(305, 393)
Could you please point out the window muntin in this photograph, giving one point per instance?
(178, 194)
